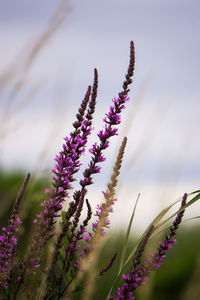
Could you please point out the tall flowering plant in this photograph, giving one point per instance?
(73, 247)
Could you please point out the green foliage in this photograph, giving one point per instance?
(170, 281)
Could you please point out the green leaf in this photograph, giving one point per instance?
(195, 192)
(192, 201)
(155, 222)
(63, 216)
(122, 259)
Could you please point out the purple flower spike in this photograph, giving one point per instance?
(68, 163)
(8, 240)
(111, 119)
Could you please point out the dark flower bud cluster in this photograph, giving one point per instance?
(134, 276)
(71, 218)
(154, 261)
(74, 248)
(67, 162)
(141, 271)
(8, 242)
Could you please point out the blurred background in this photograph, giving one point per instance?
(48, 52)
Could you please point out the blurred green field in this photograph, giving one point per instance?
(177, 279)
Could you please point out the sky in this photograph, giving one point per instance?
(162, 118)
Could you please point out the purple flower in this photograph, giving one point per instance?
(154, 261)
(8, 240)
(68, 163)
(111, 119)
(140, 272)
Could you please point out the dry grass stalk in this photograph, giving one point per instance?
(88, 264)
(16, 74)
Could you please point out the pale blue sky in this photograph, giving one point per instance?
(164, 134)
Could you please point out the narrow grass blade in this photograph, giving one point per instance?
(122, 259)
(161, 215)
(195, 192)
(192, 201)
(154, 222)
